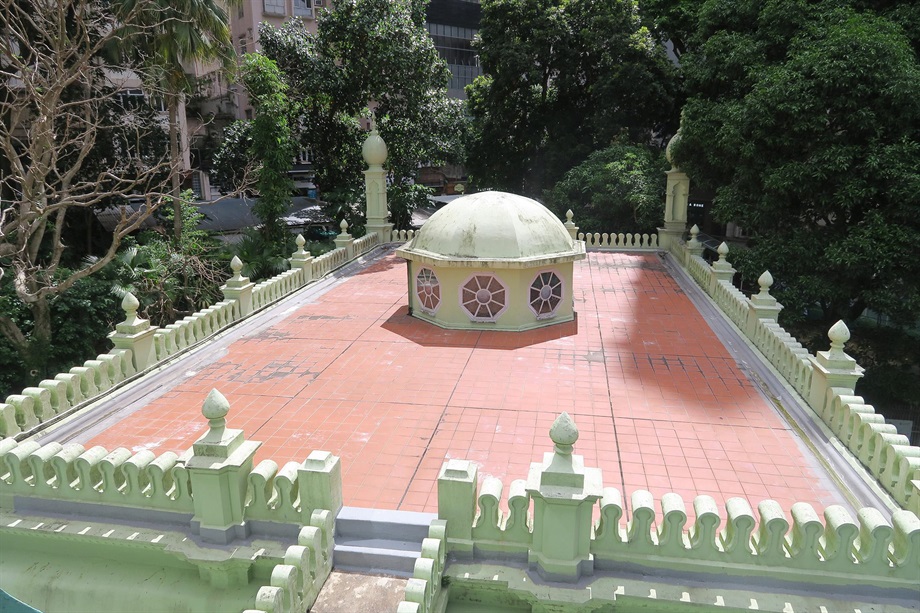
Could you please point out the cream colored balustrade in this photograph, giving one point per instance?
(794, 545)
(619, 241)
(424, 593)
(292, 493)
(296, 582)
(72, 472)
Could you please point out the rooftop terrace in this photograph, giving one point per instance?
(660, 400)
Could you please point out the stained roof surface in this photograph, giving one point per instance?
(659, 401)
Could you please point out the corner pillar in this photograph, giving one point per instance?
(219, 471)
(564, 493)
(374, 152)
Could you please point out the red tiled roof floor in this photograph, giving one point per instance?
(659, 402)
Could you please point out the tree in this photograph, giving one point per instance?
(170, 33)
(562, 79)
(57, 89)
(805, 120)
(368, 52)
(272, 144)
(617, 189)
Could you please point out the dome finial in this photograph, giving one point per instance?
(564, 433)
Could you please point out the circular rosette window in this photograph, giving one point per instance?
(428, 290)
(484, 297)
(545, 294)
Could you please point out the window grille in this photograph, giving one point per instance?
(428, 290)
(483, 297)
(545, 294)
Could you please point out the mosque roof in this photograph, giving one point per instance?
(493, 226)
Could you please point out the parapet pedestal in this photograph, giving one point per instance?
(833, 368)
(135, 334)
(239, 288)
(564, 493)
(219, 469)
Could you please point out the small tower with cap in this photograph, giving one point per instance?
(564, 493)
(135, 334)
(219, 469)
(677, 197)
(374, 152)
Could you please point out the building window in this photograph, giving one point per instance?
(242, 45)
(545, 294)
(484, 297)
(248, 113)
(273, 7)
(303, 8)
(428, 290)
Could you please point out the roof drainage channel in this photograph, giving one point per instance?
(96, 418)
(853, 482)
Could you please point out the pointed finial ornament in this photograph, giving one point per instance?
(300, 242)
(129, 305)
(569, 215)
(723, 251)
(564, 433)
(344, 227)
(215, 410)
(839, 334)
(765, 281)
(236, 265)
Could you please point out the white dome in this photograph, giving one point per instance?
(493, 226)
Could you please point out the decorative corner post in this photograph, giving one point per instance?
(374, 151)
(302, 259)
(833, 368)
(721, 269)
(570, 225)
(320, 481)
(135, 334)
(762, 306)
(694, 246)
(457, 484)
(345, 241)
(239, 288)
(219, 471)
(564, 493)
(677, 197)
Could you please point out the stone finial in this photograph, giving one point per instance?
(765, 281)
(669, 149)
(300, 242)
(215, 409)
(723, 251)
(236, 265)
(839, 334)
(564, 433)
(344, 227)
(374, 149)
(569, 215)
(129, 305)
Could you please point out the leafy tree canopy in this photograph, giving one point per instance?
(562, 78)
(368, 52)
(619, 188)
(805, 120)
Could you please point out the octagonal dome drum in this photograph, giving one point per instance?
(492, 260)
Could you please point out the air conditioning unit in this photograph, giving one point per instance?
(320, 2)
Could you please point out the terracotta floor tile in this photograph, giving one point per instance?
(659, 401)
